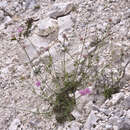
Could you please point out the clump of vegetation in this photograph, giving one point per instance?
(87, 70)
(63, 106)
(65, 100)
(109, 91)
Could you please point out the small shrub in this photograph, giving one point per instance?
(87, 70)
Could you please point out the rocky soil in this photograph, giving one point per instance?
(52, 19)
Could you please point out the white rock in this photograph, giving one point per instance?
(77, 94)
(127, 102)
(61, 9)
(60, 128)
(47, 26)
(92, 120)
(69, 66)
(65, 23)
(91, 50)
(1, 15)
(38, 41)
(128, 114)
(114, 120)
(115, 128)
(124, 124)
(108, 127)
(31, 50)
(5, 70)
(2, 26)
(128, 72)
(87, 45)
(82, 101)
(76, 114)
(7, 20)
(3, 4)
(21, 68)
(30, 4)
(15, 124)
(74, 126)
(116, 98)
(88, 107)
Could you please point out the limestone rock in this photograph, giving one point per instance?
(75, 126)
(15, 124)
(65, 24)
(91, 121)
(38, 41)
(127, 102)
(76, 114)
(61, 9)
(47, 26)
(114, 120)
(108, 127)
(3, 4)
(60, 128)
(1, 16)
(128, 114)
(115, 127)
(30, 4)
(116, 98)
(125, 125)
(31, 50)
(128, 72)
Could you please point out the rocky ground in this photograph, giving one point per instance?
(52, 19)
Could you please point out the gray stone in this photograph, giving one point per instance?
(96, 108)
(60, 128)
(61, 9)
(74, 126)
(31, 51)
(117, 97)
(114, 120)
(3, 4)
(47, 26)
(125, 125)
(105, 111)
(1, 16)
(128, 114)
(108, 127)
(65, 24)
(7, 20)
(91, 121)
(127, 102)
(119, 113)
(15, 124)
(30, 4)
(128, 71)
(38, 41)
(115, 127)
(76, 114)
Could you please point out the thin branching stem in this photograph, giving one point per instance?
(123, 74)
(43, 113)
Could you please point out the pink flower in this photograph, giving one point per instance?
(20, 29)
(38, 83)
(85, 91)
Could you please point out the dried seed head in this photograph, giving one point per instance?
(47, 49)
(64, 36)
